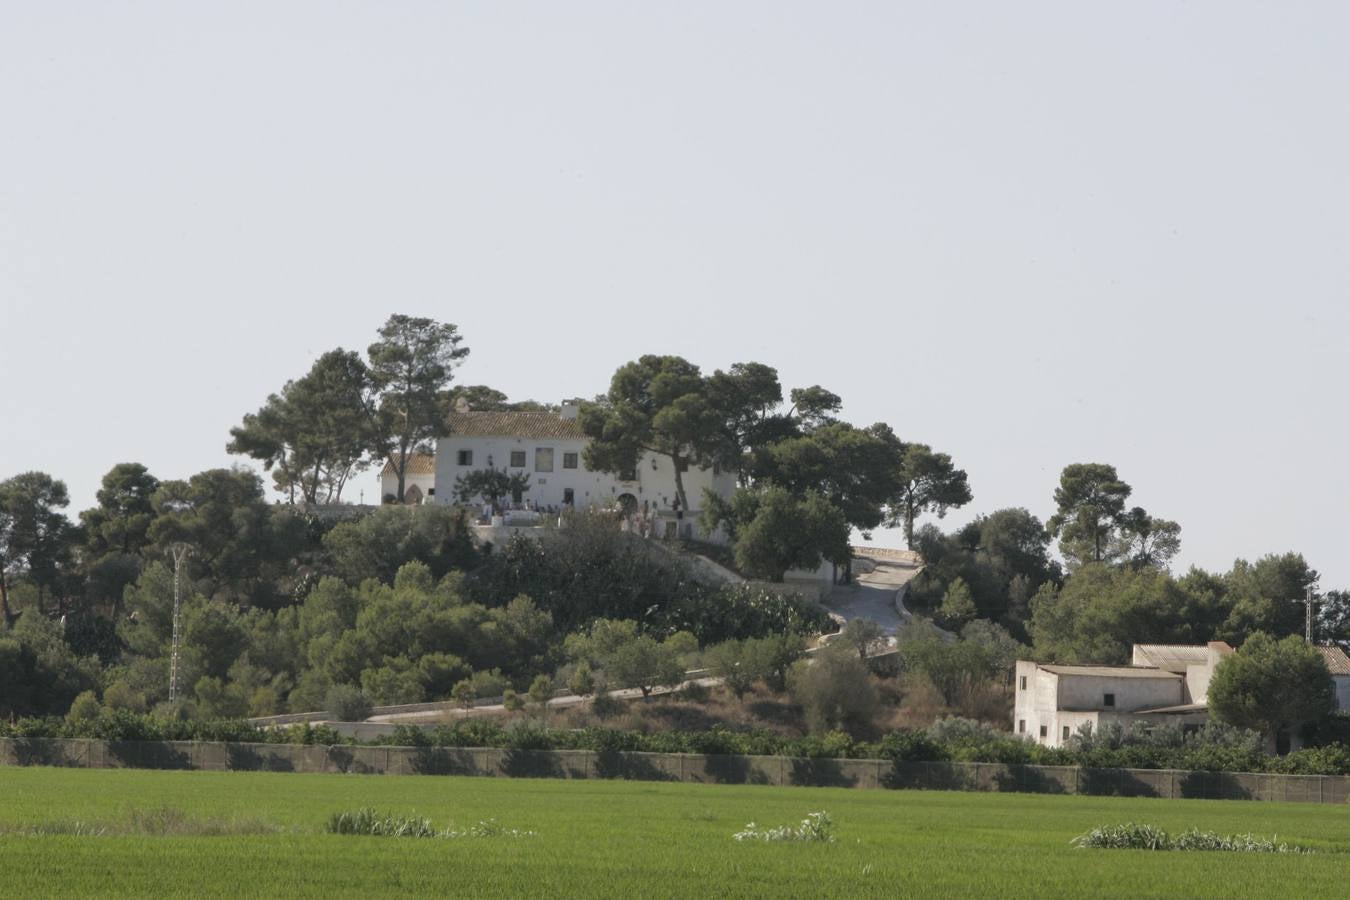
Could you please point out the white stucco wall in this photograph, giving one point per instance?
(1131, 693)
(654, 485)
(1055, 701)
(1342, 683)
(389, 485)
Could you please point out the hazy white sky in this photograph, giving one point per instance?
(1029, 234)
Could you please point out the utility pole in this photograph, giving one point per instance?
(1307, 602)
(179, 552)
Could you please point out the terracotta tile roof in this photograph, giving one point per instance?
(1337, 662)
(418, 464)
(1111, 671)
(514, 424)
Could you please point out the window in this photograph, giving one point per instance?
(1024, 683)
(1045, 730)
(1108, 700)
(569, 460)
(431, 492)
(1021, 726)
(466, 457)
(543, 459)
(517, 459)
(1066, 732)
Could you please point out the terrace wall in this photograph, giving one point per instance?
(685, 767)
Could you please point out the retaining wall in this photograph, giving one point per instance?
(686, 767)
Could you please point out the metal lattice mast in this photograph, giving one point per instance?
(179, 553)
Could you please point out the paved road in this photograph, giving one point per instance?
(453, 711)
(874, 594)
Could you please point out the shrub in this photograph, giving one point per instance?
(911, 746)
(541, 690)
(605, 704)
(366, 821)
(346, 703)
(369, 822)
(834, 689)
(582, 681)
(1130, 836)
(511, 700)
(1133, 836)
(119, 695)
(817, 826)
(85, 707)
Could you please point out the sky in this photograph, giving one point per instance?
(1027, 234)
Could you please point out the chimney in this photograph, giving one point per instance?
(569, 409)
(462, 404)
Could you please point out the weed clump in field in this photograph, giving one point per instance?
(1132, 836)
(163, 822)
(817, 826)
(59, 828)
(369, 822)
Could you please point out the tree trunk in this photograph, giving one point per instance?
(402, 466)
(10, 618)
(679, 483)
(909, 523)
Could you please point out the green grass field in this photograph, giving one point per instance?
(634, 839)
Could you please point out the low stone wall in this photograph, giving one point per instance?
(685, 767)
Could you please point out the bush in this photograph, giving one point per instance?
(1132, 836)
(346, 703)
(119, 695)
(834, 689)
(911, 746)
(606, 704)
(369, 822)
(1129, 836)
(582, 681)
(85, 707)
(541, 690)
(817, 826)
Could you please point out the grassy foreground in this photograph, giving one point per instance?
(633, 839)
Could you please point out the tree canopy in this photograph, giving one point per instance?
(1269, 685)
(928, 482)
(1089, 501)
(411, 365)
(316, 433)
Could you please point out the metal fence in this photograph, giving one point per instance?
(684, 767)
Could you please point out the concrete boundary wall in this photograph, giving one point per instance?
(684, 767)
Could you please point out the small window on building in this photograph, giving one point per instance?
(431, 492)
(466, 457)
(1108, 700)
(1023, 684)
(569, 460)
(517, 459)
(1021, 726)
(1045, 730)
(543, 459)
(1066, 732)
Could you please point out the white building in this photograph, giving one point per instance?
(419, 480)
(1163, 684)
(548, 447)
(1338, 664)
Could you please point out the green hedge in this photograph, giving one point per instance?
(959, 744)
